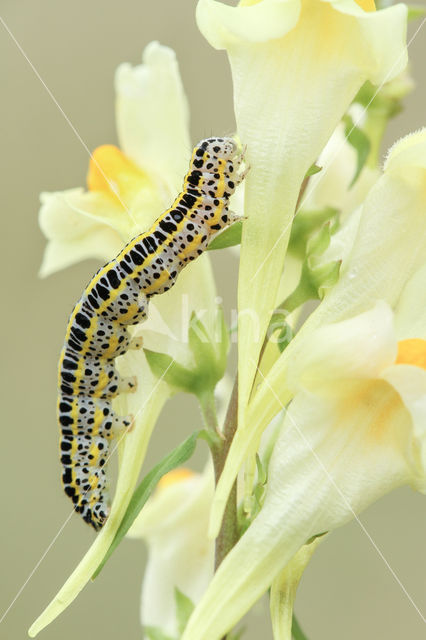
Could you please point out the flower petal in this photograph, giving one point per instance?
(152, 116)
(174, 524)
(290, 93)
(77, 227)
(61, 254)
(390, 246)
(222, 26)
(410, 312)
(331, 187)
(337, 453)
(360, 347)
(410, 383)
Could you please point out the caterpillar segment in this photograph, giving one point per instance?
(117, 297)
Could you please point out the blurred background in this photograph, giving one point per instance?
(348, 591)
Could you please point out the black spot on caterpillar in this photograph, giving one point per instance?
(117, 296)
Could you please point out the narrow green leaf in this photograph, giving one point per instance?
(228, 238)
(359, 141)
(236, 635)
(261, 471)
(313, 538)
(155, 633)
(184, 608)
(224, 341)
(415, 11)
(296, 630)
(172, 460)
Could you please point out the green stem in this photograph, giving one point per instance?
(208, 409)
(228, 534)
(374, 127)
(219, 444)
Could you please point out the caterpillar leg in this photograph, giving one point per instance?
(128, 385)
(235, 217)
(136, 343)
(239, 177)
(123, 424)
(238, 159)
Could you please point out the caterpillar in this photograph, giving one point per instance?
(118, 296)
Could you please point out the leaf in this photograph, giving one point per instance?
(415, 11)
(305, 223)
(172, 460)
(155, 633)
(316, 276)
(313, 538)
(184, 608)
(313, 169)
(228, 238)
(285, 337)
(360, 142)
(166, 368)
(209, 358)
(279, 323)
(261, 471)
(236, 635)
(296, 630)
(201, 346)
(224, 342)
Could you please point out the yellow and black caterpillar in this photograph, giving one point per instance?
(118, 296)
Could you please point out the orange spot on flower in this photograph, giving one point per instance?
(412, 351)
(367, 5)
(175, 476)
(372, 407)
(113, 173)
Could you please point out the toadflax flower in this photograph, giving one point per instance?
(180, 556)
(296, 66)
(355, 430)
(128, 189)
(357, 375)
(383, 250)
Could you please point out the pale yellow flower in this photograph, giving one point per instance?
(355, 430)
(296, 66)
(331, 187)
(382, 252)
(174, 525)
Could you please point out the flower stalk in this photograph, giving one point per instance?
(219, 443)
(228, 534)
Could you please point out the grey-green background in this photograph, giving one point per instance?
(348, 591)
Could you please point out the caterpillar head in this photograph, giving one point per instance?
(215, 148)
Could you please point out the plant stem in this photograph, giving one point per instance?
(219, 447)
(228, 534)
(208, 409)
